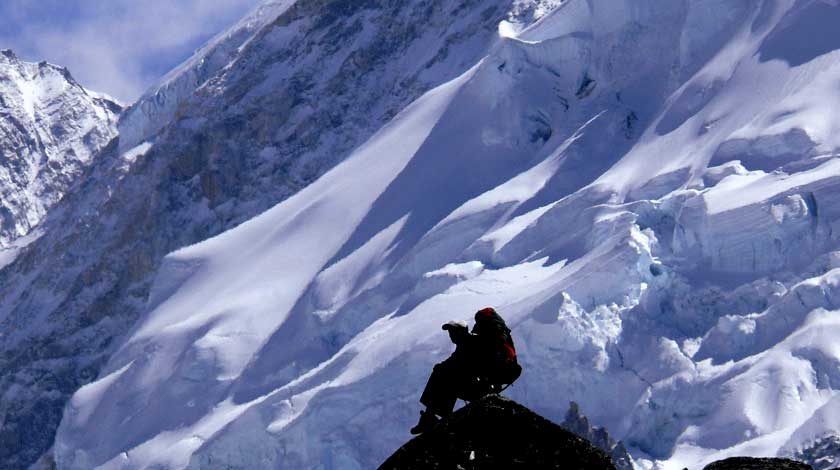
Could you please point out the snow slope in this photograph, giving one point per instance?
(648, 192)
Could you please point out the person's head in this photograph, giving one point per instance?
(487, 318)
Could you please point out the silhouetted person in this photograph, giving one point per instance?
(483, 362)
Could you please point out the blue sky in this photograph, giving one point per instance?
(119, 47)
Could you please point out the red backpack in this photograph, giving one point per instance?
(490, 324)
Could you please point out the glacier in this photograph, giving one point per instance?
(647, 192)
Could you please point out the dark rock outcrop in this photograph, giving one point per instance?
(496, 432)
(824, 454)
(580, 425)
(748, 463)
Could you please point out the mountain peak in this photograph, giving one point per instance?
(496, 432)
(51, 130)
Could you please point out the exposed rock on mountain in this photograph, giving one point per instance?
(51, 130)
(824, 454)
(747, 463)
(599, 437)
(495, 432)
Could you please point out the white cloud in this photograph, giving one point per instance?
(119, 47)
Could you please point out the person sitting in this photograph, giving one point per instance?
(483, 362)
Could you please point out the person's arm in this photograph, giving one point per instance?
(458, 331)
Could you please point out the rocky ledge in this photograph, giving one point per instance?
(496, 432)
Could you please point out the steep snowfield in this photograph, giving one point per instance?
(50, 130)
(649, 194)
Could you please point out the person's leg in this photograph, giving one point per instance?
(440, 393)
(439, 396)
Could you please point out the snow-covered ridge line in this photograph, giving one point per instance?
(159, 105)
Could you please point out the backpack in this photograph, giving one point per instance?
(490, 324)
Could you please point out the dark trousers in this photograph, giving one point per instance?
(450, 380)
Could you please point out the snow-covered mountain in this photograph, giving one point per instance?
(275, 102)
(50, 129)
(649, 192)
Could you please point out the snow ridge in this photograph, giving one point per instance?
(156, 108)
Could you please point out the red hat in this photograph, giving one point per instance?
(485, 312)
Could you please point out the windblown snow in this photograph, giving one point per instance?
(649, 193)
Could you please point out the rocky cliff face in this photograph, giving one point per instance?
(495, 432)
(824, 454)
(577, 423)
(50, 129)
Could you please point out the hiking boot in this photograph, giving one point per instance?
(428, 420)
